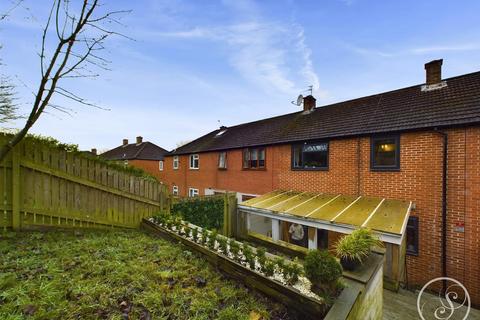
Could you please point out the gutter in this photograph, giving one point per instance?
(444, 208)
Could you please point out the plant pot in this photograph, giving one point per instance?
(349, 264)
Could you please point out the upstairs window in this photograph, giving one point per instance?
(175, 190)
(160, 165)
(192, 192)
(222, 160)
(175, 162)
(385, 153)
(412, 236)
(310, 156)
(194, 161)
(254, 158)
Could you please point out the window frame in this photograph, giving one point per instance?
(224, 160)
(292, 158)
(192, 158)
(375, 167)
(160, 165)
(175, 190)
(192, 194)
(415, 226)
(257, 149)
(175, 162)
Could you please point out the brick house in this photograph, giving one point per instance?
(420, 143)
(144, 155)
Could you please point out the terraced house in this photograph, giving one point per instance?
(419, 144)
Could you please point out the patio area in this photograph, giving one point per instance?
(403, 305)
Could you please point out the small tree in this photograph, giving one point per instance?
(80, 36)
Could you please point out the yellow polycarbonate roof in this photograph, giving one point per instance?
(383, 215)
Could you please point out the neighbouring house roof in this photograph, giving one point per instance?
(410, 108)
(132, 151)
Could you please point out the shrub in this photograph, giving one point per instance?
(195, 234)
(292, 272)
(222, 244)
(203, 212)
(186, 230)
(212, 238)
(234, 249)
(322, 269)
(261, 255)
(357, 245)
(249, 256)
(204, 236)
(268, 268)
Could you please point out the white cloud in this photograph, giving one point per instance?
(270, 54)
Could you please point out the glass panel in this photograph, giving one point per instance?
(315, 155)
(253, 158)
(385, 152)
(297, 157)
(246, 158)
(221, 160)
(261, 158)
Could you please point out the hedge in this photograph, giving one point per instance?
(203, 212)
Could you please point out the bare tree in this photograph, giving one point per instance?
(79, 34)
(8, 109)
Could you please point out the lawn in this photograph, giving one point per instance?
(116, 275)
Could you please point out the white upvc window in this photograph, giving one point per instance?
(160, 165)
(175, 190)
(194, 161)
(222, 160)
(192, 192)
(176, 162)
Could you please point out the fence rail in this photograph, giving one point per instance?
(41, 185)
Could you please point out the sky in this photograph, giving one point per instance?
(189, 66)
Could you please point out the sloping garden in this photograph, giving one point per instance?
(116, 275)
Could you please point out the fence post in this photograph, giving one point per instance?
(229, 212)
(16, 189)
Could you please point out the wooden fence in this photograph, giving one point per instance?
(41, 185)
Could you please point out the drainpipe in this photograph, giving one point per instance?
(444, 208)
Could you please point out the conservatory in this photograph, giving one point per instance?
(325, 217)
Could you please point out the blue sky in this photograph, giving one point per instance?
(197, 63)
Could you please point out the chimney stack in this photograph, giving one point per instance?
(139, 139)
(94, 151)
(125, 142)
(434, 72)
(309, 102)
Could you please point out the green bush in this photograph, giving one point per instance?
(268, 267)
(222, 244)
(292, 271)
(249, 256)
(357, 245)
(212, 238)
(204, 236)
(195, 234)
(203, 212)
(322, 269)
(261, 255)
(234, 249)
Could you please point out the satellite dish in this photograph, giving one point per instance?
(299, 100)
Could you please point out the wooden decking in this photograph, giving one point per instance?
(403, 306)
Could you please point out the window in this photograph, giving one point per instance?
(160, 165)
(412, 236)
(222, 160)
(385, 153)
(310, 156)
(176, 162)
(192, 192)
(254, 158)
(175, 190)
(194, 161)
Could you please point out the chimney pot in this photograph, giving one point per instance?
(125, 142)
(94, 151)
(309, 102)
(434, 72)
(139, 139)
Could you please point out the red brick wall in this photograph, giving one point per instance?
(150, 166)
(419, 180)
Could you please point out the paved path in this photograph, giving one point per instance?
(403, 306)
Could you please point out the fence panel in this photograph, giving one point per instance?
(43, 185)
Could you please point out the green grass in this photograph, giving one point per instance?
(115, 275)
